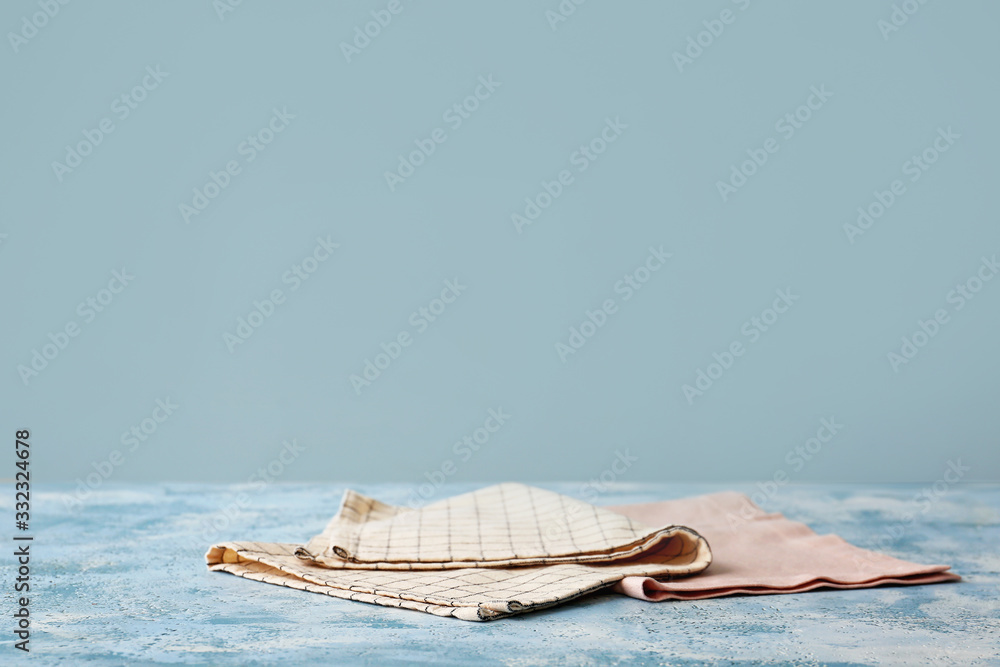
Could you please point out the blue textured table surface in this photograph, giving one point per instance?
(122, 580)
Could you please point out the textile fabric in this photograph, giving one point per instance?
(512, 548)
(501, 550)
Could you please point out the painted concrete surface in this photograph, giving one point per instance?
(122, 580)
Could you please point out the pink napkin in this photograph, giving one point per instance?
(757, 553)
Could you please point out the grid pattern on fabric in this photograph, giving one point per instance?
(505, 524)
(468, 593)
(593, 548)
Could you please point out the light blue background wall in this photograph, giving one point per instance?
(162, 337)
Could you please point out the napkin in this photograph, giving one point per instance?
(502, 550)
(760, 553)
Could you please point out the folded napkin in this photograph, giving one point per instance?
(502, 550)
(511, 548)
(758, 553)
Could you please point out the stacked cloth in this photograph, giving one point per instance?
(511, 548)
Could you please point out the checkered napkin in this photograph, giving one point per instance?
(501, 550)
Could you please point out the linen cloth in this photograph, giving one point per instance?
(758, 553)
(498, 551)
(511, 548)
